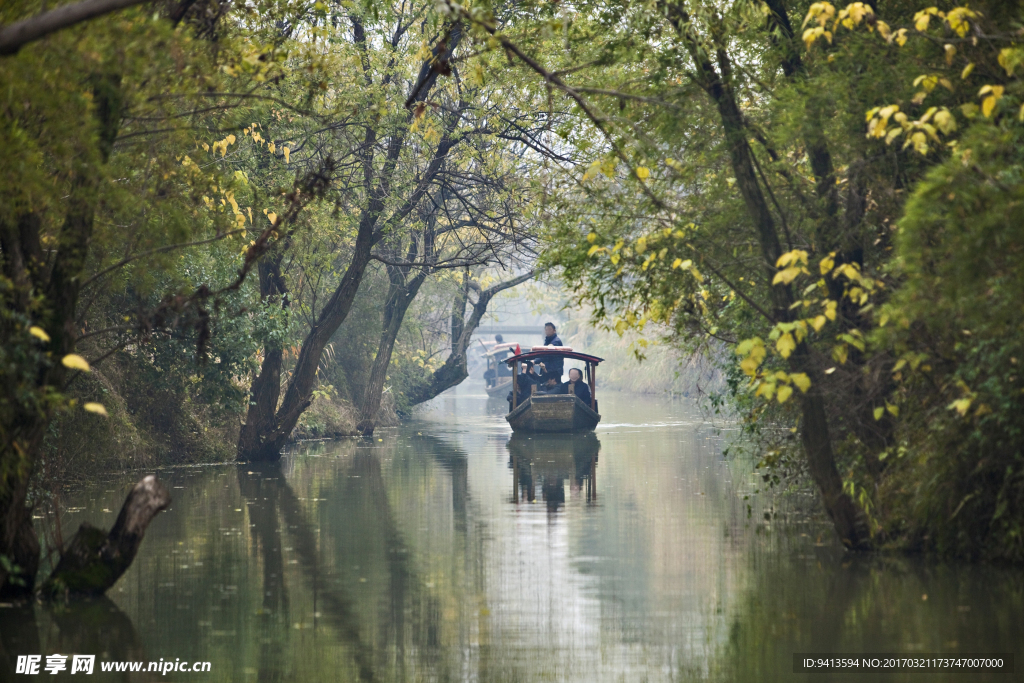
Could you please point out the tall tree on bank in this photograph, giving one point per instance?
(386, 200)
(474, 220)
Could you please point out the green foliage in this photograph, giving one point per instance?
(960, 459)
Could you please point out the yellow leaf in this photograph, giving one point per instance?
(287, 153)
(922, 18)
(802, 381)
(1010, 58)
(995, 90)
(642, 172)
(950, 53)
(967, 71)
(901, 37)
(784, 393)
(678, 262)
(840, 353)
(39, 333)
(75, 362)
(95, 408)
(785, 345)
(594, 249)
(961, 405)
(878, 412)
(795, 256)
(884, 30)
(820, 12)
(944, 121)
(987, 105)
(957, 19)
(893, 410)
(826, 264)
(592, 237)
(830, 310)
(641, 245)
(787, 275)
(818, 322)
(273, 218)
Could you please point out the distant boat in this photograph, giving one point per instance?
(493, 357)
(540, 412)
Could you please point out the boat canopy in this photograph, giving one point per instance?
(498, 348)
(554, 351)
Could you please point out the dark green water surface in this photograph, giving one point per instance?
(444, 550)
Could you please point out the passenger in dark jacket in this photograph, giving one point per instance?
(580, 387)
(553, 364)
(525, 380)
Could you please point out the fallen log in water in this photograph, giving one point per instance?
(94, 560)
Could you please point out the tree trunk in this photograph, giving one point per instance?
(400, 297)
(19, 546)
(266, 388)
(454, 370)
(815, 434)
(94, 561)
(24, 423)
(268, 438)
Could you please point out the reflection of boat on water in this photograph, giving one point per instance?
(540, 412)
(550, 459)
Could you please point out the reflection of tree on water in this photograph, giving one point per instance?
(84, 626)
(550, 459)
(266, 489)
(260, 485)
(355, 521)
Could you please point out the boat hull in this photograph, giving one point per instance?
(501, 388)
(553, 413)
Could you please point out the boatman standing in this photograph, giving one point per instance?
(553, 365)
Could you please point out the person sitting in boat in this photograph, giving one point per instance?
(499, 369)
(527, 378)
(553, 365)
(576, 385)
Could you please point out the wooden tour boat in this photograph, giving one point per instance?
(499, 385)
(540, 412)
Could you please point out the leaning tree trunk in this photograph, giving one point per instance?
(716, 80)
(454, 370)
(269, 438)
(94, 560)
(400, 297)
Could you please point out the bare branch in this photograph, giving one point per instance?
(13, 36)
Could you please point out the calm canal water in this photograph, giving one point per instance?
(445, 550)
